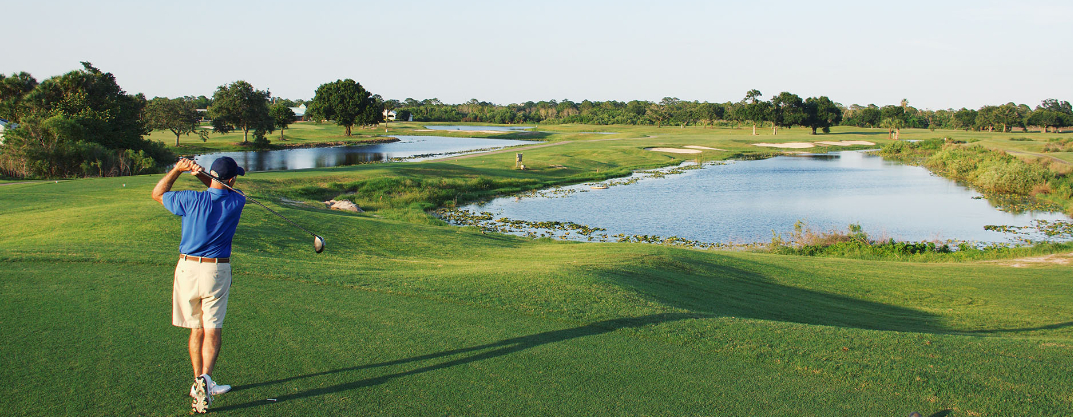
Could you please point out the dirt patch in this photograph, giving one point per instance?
(703, 147)
(1045, 260)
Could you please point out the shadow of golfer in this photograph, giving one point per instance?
(500, 348)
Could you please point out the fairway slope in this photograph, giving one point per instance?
(405, 318)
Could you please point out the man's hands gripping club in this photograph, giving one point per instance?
(183, 165)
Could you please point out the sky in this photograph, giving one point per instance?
(936, 54)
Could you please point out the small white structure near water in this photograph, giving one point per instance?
(299, 113)
(3, 126)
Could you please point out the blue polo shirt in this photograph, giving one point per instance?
(210, 218)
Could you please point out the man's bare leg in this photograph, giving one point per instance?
(197, 337)
(210, 350)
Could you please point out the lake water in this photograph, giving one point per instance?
(744, 201)
(479, 128)
(413, 148)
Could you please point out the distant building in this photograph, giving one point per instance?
(299, 113)
(3, 126)
(389, 115)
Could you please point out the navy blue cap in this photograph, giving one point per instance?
(226, 168)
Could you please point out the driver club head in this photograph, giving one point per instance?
(318, 243)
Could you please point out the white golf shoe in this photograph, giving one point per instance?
(202, 399)
(213, 388)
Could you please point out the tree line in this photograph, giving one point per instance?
(83, 124)
(783, 110)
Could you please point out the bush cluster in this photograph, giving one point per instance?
(854, 243)
(989, 171)
(77, 124)
(1059, 145)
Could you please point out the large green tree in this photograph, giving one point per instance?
(985, 118)
(1008, 115)
(346, 103)
(1051, 113)
(965, 118)
(107, 114)
(282, 116)
(200, 102)
(870, 116)
(787, 109)
(78, 123)
(178, 115)
(709, 113)
(12, 91)
(752, 109)
(1055, 105)
(238, 106)
(821, 113)
(663, 112)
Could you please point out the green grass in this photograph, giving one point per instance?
(402, 315)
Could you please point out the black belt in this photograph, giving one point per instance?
(200, 259)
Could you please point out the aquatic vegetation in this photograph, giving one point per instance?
(488, 223)
(1049, 230)
(855, 243)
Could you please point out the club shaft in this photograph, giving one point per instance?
(258, 202)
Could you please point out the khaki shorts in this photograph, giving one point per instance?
(199, 295)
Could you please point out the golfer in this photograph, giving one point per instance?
(203, 274)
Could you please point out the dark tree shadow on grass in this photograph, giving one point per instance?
(1055, 326)
(477, 353)
(723, 287)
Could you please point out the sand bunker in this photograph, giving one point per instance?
(790, 145)
(846, 143)
(675, 150)
(703, 147)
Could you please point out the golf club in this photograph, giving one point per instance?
(318, 242)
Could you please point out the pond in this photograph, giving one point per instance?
(469, 128)
(745, 201)
(410, 148)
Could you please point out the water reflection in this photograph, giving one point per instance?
(745, 201)
(472, 128)
(414, 148)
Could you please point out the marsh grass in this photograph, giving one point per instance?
(989, 171)
(854, 243)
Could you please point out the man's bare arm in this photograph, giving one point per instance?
(204, 178)
(164, 185)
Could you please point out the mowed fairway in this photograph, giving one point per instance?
(414, 318)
